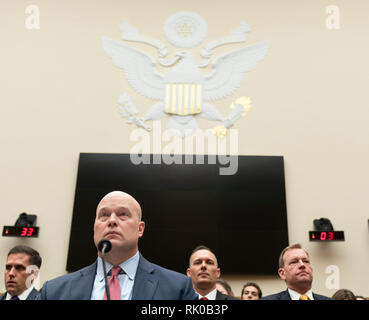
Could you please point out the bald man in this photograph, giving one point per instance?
(118, 219)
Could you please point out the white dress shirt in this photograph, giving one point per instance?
(126, 278)
(23, 296)
(296, 296)
(212, 295)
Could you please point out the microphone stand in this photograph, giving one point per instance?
(107, 289)
(104, 246)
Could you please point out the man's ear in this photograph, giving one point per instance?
(141, 228)
(188, 272)
(281, 273)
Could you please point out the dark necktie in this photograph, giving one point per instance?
(14, 298)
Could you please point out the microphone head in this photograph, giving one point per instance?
(104, 244)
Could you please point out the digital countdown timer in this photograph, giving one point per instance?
(326, 236)
(24, 232)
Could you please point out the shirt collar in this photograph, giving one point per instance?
(211, 295)
(23, 296)
(129, 267)
(296, 296)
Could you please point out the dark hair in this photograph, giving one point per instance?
(252, 284)
(34, 256)
(344, 294)
(201, 247)
(226, 286)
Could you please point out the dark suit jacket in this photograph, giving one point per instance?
(284, 295)
(152, 282)
(221, 296)
(32, 296)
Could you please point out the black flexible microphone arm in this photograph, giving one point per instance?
(104, 246)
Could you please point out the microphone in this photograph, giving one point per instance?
(104, 246)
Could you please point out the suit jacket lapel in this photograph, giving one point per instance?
(145, 281)
(285, 295)
(220, 296)
(319, 297)
(82, 285)
(33, 294)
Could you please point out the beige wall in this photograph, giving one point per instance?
(59, 98)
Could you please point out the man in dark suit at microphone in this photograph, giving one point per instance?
(131, 276)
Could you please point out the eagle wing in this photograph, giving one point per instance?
(229, 69)
(139, 68)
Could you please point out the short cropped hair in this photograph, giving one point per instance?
(201, 247)
(34, 256)
(293, 246)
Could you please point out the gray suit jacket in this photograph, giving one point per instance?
(152, 282)
(32, 296)
(284, 295)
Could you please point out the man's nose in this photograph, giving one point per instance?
(12, 272)
(112, 219)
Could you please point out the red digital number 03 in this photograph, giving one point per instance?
(323, 236)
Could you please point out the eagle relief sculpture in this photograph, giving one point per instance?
(184, 92)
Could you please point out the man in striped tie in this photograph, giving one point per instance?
(130, 276)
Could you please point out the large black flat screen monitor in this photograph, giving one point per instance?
(241, 217)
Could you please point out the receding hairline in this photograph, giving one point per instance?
(123, 196)
(291, 247)
(205, 248)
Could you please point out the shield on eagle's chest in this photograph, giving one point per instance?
(183, 91)
(183, 98)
